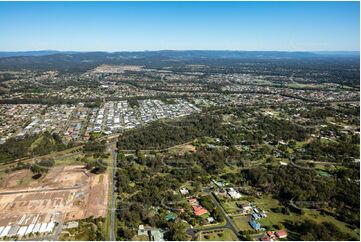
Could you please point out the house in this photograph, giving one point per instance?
(282, 142)
(255, 216)
(156, 235)
(184, 191)
(246, 207)
(254, 225)
(170, 217)
(193, 201)
(265, 239)
(281, 234)
(20, 136)
(210, 219)
(245, 147)
(71, 225)
(199, 210)
(218, 183)
(141, 230)
(233, 193)
(271, 234)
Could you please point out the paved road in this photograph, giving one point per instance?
(229, 221)
(57, 231)
(112, 208)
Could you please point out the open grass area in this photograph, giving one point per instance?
(182, 149)
(54, 155)
(242, 222)
(218, 235)
(70, 159)
(274, 218)
(230, 206)
(189, 185)
(297, 85)
(231, 169)
(140, 238)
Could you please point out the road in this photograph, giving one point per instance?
(112, 208)
(57, 231)
(41, 190)
(229, 223)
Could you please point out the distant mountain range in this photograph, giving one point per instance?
(82, 61)
(33, 53)
(189, 53)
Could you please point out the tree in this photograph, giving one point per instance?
(176, 232)
(217, 215)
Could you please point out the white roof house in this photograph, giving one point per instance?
(22, 230)
(233, 193)
(5, 231)
(13, 231)
(72, 224)
(43, 228)
(37, 228)
(50, 227)
(184, 191)
(30, 229)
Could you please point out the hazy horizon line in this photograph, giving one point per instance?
(147, 50)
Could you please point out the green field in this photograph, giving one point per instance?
(242, 222)
(69, 160)
(274, 218)
(230, 207)
(219, 235)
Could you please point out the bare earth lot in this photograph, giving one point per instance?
(65, 193)
(116, 68)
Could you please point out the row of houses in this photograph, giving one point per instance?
(54, 119)
(117, 116)
(273, 235)
(72, 120)
(20, 231)
(14, 117)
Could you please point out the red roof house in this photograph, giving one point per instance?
(199, 210)
(271, 234)
(281, 234)
(265, 239)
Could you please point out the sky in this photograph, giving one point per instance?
(129, 26)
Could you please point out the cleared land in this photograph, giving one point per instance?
(65, 193)
(116, 68)
(218, 235)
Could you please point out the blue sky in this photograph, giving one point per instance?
(117, 26)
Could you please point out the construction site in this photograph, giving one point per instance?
(40, 207)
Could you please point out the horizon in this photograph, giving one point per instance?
(160, 50)
(179, 26)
